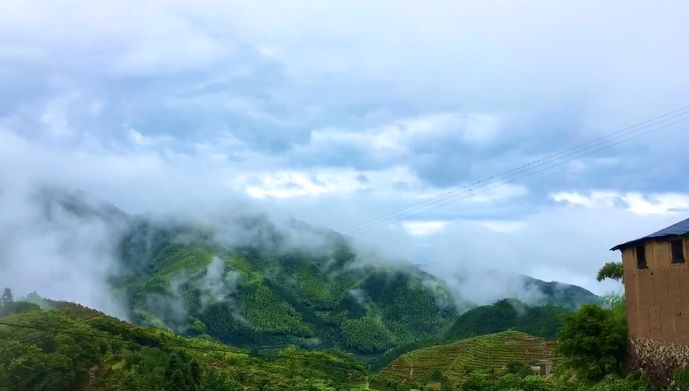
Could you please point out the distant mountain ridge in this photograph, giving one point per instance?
(559, 294)
(504, 284)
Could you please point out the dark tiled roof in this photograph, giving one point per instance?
(678, 229)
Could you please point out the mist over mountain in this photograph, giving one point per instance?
(486, 285)
(62, 244)
(243, 277)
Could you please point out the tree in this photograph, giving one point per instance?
(519, 368)
(6, 302)
(611, 270)
(437, 376)
(218, 381)
(594, 340)
(182, 373)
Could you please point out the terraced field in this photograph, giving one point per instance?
(455, 360)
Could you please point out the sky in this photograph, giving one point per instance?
(339, 112)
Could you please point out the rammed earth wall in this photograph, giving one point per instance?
(657, 359)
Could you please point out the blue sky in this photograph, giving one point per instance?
(338, 112)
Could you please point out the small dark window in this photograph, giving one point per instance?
(677, 253)
(641, 257)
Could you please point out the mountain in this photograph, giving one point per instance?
(54, 201)
(557, 294)
(452, 362)
(490, 285)
(272, 291)
(69, 347)
(252, 281)
(508, 314)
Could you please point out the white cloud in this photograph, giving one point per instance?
(563, 244)
(396, 181)
(638, 203)
(658, 203)
(189, 104)
(401, 137)
(287, 184)
(424, 228)
(502, 226)
(139, 139)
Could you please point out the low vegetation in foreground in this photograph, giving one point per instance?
(69, 347)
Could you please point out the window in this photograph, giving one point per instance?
(677, 253)
(641, 257)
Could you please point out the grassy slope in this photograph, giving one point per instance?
(455, 360)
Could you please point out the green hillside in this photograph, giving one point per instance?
(508, 314)
(456, 360)
(267, 294)
(70, 347)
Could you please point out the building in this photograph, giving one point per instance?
(656, 284)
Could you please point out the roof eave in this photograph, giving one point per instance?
(646, 239)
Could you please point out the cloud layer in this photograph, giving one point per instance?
(342, 112)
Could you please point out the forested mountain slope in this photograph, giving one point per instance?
(267, 293)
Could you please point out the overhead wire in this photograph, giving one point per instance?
(520, 174)
(528, 174)
(592, 146)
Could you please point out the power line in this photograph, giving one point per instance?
(528, 174)
(673, 113)
(519, 175)
(592, 146)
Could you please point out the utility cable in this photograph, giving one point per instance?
(592, 146)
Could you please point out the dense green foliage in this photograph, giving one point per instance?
(366, 334)
(590, 355)
(611, 270)
(71, 347)
(43, 361)
(680, 378)
(508, 314)
(594, 340)
(270, 295)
